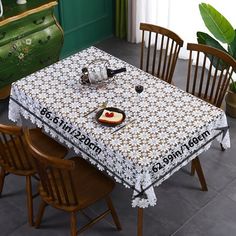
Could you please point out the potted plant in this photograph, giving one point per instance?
(225, 34)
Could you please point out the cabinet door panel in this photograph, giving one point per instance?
(30, 39)
(19, 52)
(12, 73)
(30, 24)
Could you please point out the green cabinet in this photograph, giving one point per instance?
(30, 39)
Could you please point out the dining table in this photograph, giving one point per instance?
(164, 127)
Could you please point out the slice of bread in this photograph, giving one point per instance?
(111, 117)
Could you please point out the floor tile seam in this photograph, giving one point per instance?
(188, 200)
(15, 229)
(16, 205)
(104, 219)
(223, 164)
(223, 195)
(196, 213)
(24, 195)
(223, 188)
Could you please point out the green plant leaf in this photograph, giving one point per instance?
(233, 86)
(216, 23)
(206, 39)
(232, 47)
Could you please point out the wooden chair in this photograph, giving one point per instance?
(71, 185)
(208, 81)
(168, 43)
(15, 159)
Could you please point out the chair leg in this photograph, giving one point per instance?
(222, 148)
(2, 177)
(113, 213)
(140, 222)
(29, 200)
(198, 168)
(73, 224)
(192, 169)
(40, 213)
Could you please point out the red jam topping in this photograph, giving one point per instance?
(109, 114)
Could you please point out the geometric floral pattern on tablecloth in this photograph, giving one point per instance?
(165, 118)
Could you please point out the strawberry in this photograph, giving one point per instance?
(109, 114)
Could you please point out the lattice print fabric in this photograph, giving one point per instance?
(141, 155)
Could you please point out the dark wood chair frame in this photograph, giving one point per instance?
(209, 85)
(52, 172)
(215, 93)
(15, 158)
(166, 63)
(16, 164)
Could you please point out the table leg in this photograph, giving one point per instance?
(198, 168)
(140, 222)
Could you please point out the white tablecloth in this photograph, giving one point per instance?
(171, 127)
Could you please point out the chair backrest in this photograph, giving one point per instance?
(209, 80)
(55, 176)
(14, 156)
(168, 43)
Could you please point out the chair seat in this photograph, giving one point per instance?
(25, 166)
(90, 185)
(49, 146)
